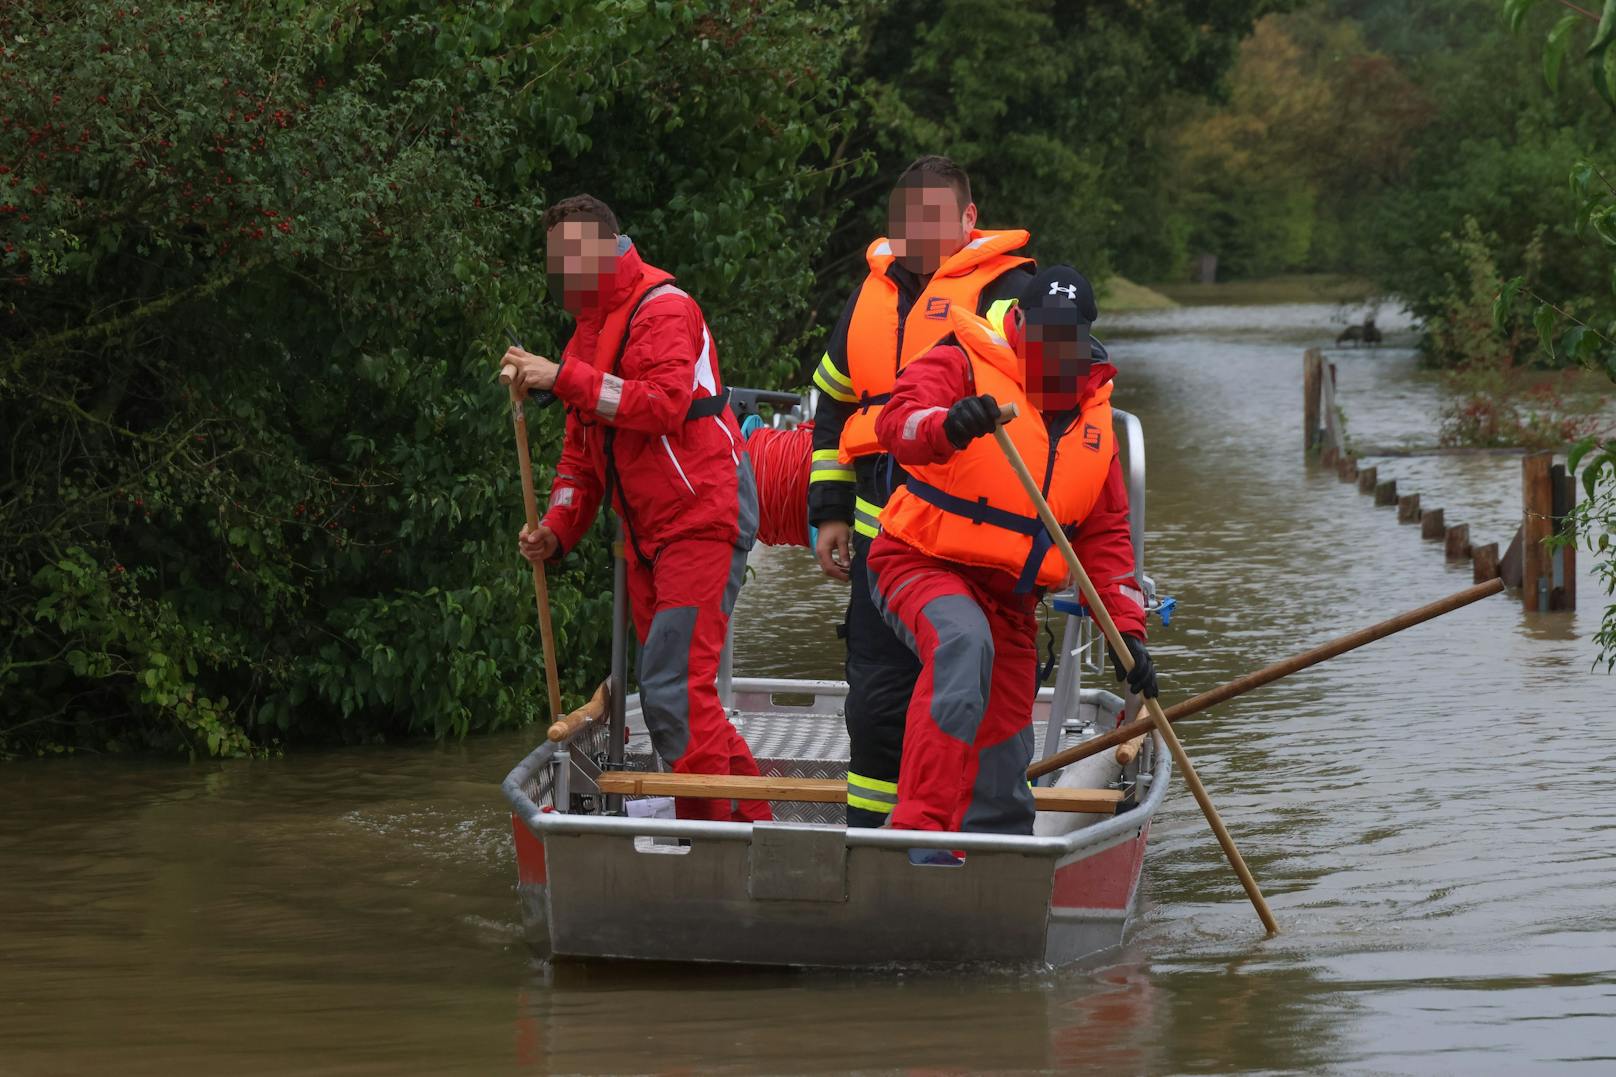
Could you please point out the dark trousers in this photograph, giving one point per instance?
(881, 675)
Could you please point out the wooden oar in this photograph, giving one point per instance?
(541, 593)
(1109, 627)
(1128, 732)
(593, 711)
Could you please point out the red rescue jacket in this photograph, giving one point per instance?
(911, 429)
(678, 476)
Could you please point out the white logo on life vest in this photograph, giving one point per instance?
(1068, 290)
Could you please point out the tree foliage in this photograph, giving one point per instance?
(259, 258)
(1581, 328)
(258, 262)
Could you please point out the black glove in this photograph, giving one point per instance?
(971, 418)
(1142, 678)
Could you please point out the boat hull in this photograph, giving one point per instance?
(811, 893)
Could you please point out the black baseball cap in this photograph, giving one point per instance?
(1059, 294)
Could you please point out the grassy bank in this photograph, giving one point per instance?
(1120, 295)
(1290, 288)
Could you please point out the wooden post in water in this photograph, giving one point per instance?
(1537, 524)
(1457, 547)
(1366, 480)
(1484, 562)
(1431, 525)
(1346, 468)
(1509, 564)
(1408, 509)
(1563, 586)
(1312, 389)
(1386, 493)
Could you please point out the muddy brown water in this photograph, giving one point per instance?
(1432, 819)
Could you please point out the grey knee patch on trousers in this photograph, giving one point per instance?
(737, 575)
(961, 665)
(1001, 802)
(665, 681)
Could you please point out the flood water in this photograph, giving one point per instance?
(1431, 818)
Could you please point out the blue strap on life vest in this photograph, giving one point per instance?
(981, 512)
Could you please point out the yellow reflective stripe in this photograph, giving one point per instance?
(866, 517)
(869, 805)
(830, 473)
(827, 367)
(831, 390)
(996, 314)
(875, 784)
(828, 467)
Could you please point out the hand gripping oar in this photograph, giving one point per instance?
(541, 593)
(1258, 678)
(1114, 638)
(544, 397)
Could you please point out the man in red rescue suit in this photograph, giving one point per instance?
(934, 260)
(962, 556)
(648, 426)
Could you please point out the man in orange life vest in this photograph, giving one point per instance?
(933, 260)
(962, 554)
(648, 427)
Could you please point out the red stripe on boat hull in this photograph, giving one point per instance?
(530, 868)
(1103, 881)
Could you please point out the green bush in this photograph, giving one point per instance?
(258, 263)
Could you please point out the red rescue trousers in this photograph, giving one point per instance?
(682, 604)
(968, 734)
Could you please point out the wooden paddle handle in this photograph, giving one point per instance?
(592, 711)
(541, 589)
(1112, 636)
(507, 373)
(1126, 753)
(1269, 674)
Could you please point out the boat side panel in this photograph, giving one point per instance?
(615, 898)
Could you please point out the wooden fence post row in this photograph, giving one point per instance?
(1547, 578)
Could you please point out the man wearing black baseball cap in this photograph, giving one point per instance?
(962, 556)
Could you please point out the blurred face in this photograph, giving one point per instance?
(580, 261)
(927, 225)
(1056, 353)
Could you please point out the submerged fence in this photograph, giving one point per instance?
(1546, 578)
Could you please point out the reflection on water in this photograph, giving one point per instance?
(1430, 817)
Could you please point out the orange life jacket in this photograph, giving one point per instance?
(972, 509)
(878, 346)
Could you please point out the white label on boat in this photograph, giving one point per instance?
(651, 808)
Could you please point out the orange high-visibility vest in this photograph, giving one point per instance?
(878, 346)
(972, 509)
